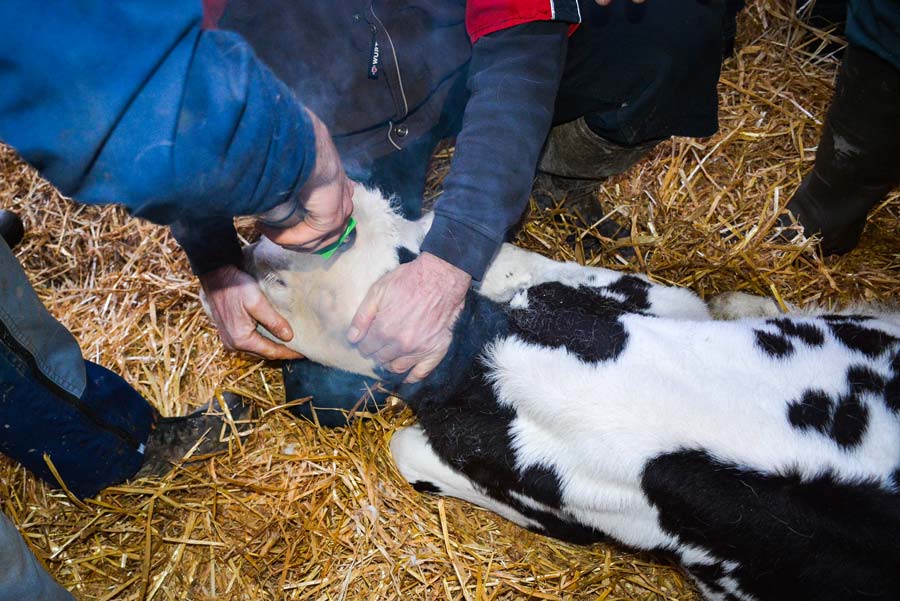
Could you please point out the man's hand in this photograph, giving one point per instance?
(406, 320)
(237, 304)
(327, 198)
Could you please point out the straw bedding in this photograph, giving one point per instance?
(295, 512)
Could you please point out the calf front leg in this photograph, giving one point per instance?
(428, 473)
(515, 270)
(729, 306)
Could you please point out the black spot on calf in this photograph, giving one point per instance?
(840, 536)
(774, 345)
(892, 393)
(844, 420)
(869, 341)
(813, 411)
(709, 574)
(863, 379)
(845, 318)
(635, 290)
(582, 320)
(405, 255)
(542, 484)
(426, 487)
(851, 418)
(806, 332)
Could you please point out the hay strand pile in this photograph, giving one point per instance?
(294, 512)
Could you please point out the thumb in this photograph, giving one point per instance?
(365, 315)
(425, 367)
(263, 312)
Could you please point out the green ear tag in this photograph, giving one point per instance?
(332, 248)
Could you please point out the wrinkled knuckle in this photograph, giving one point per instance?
(254, 301)
(408, 345)
(242, 341)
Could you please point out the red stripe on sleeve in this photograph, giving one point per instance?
(212, 12)
(487, 16)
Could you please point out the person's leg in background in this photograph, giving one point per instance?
(856, 162)
(56, 407)
(22, 577)
(635, 75)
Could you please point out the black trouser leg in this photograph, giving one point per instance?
(857, 159)
(634, 75)
(11, 228)
(641, 72)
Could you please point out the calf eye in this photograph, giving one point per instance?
(273, 280)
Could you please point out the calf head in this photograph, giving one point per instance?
(319, 296)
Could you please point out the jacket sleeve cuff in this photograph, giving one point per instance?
(460, 245)
(209, 245)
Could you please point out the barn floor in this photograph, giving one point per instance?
(293, 512)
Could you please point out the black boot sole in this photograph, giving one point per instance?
(199, 433)
(12, 230)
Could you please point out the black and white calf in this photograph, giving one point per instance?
(762, 452)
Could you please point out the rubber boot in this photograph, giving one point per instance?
(574, 163)
(574, 151)
(172, 438)
(11, 228)
(857, 159)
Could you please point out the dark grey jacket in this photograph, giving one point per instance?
(377, 73)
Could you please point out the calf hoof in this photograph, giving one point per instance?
(11, 228)
(736, 305)
(198, 435)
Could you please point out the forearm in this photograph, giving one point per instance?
(514, 77)
(131, 102)
(208, 244)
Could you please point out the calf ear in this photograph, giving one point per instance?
(405, 255)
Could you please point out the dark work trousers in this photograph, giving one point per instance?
(55, 405)
(635, 72)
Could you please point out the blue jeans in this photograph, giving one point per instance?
(21, 575)
(55, 405)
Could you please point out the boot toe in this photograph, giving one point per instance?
(192, 437)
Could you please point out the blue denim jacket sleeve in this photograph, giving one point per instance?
(132, 102)
(513, 80)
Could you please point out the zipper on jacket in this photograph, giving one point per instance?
(396, 62)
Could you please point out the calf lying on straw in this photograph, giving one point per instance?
(763, 452)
